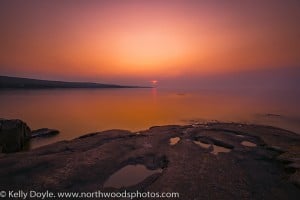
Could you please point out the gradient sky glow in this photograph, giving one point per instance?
(126, 40)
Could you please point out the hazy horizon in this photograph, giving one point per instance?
(280, 78)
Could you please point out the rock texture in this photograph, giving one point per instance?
(269, 170)
(13, 135)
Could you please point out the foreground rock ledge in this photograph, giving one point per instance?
(268, 171)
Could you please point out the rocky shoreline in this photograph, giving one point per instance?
(199, 161)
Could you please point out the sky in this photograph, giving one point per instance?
(136, 41)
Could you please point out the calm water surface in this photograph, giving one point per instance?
(79, 111)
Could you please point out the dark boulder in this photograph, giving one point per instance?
(13, 135)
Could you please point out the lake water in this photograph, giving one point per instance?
(79, 111)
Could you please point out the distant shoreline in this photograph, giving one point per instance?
(7, 82)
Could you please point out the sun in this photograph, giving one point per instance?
(154, 82)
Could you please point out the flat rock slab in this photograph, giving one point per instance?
(269, 170)
(44, 132)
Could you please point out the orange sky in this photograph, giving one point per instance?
(113, 39)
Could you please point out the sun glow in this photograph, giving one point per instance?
(149, 50)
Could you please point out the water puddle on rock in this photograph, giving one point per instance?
(248, 144)
(216, 149)
(201, 144)
(129, 175)
(219, 149)
(174, 140)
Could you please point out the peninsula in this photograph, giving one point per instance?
(7, 82)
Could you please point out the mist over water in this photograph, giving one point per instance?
(80, 111)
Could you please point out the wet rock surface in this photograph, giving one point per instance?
(267, 170)
(14, 134)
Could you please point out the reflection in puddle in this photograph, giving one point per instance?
(201, 144)
(129, 175)
(248, 144)
(216, 149)
(219, 149)
(174, 140)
